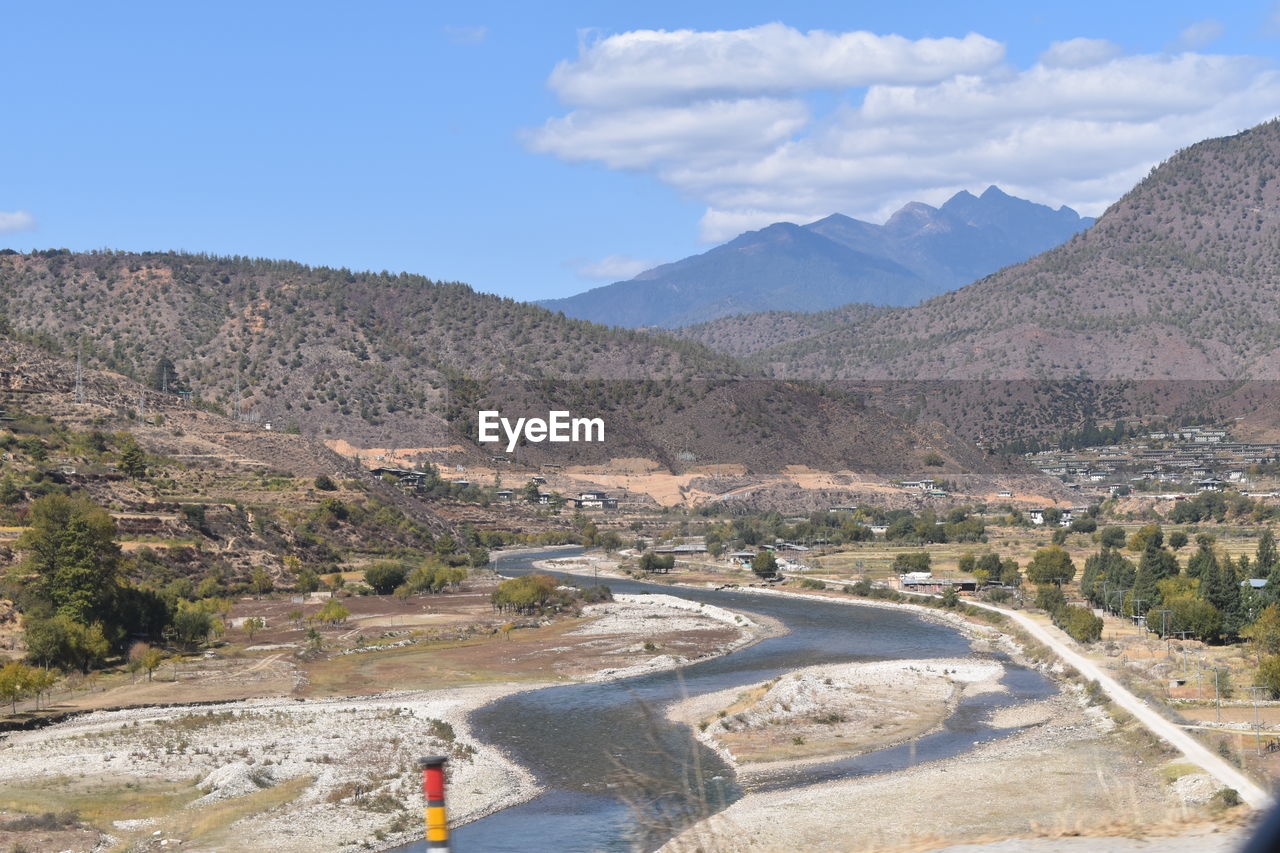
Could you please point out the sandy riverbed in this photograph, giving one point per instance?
(325, 774)
(823, 712)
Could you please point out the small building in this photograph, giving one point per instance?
(1212, 484)
(504, 495)
(595, 500)
(1005, 493)
(926, 582)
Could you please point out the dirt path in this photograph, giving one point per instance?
(1251, 792)
(1173, 734)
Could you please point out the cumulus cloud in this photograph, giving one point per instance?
(611, 267)
(722, 119)
(659, 65)
(18, 220)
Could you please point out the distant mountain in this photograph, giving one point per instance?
(919, 252)
(1177, 280)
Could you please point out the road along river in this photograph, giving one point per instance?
(612, 765)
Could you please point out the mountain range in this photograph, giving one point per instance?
(1176, 280)
(919, 252)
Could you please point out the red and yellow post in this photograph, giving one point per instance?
(433, 791)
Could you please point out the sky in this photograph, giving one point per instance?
(539, 150)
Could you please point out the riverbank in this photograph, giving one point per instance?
(1065, 774)
(1068, 769)
(338, 772)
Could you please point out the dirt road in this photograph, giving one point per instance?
(1251, 792)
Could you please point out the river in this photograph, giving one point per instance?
(611, 763)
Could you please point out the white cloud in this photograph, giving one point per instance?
(18, 220)
(611, 267)
(725, 122)
(467, 35)
(642, 137)
(1079, 53)
(1199, 34)
(653, 66)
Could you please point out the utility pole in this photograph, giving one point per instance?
(80, 372)
(1217, 697)
(1257, 725)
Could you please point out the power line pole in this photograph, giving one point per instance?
(80, 372)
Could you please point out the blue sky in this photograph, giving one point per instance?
(536, 150)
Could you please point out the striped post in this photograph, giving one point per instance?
(433, 791)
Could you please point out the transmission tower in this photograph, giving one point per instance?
(80, 372)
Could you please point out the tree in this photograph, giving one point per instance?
(916, 561)
(1111, 536)
(333, 612)
(1269, 675)
(71, 549)
(308, 582)
(1010, 575)
(1051, 564)
(1219, 587)
(146, 657)
(164, 376)
(260, 582)
(530, 492)
(1203, 564)
(1159, 562)
(1177, 540)
(252, 625)
(385, 577)
(133, 462)
(16, 681)
(1147, 536)
(192, 625)
(1188, 613)
(325, 483)
(950, 597)
(64, 643)
(1265, 632)
(1267, 556)
(764, 564)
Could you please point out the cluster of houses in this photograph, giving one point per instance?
(417, 480)
(928, 486)
(1202, 459)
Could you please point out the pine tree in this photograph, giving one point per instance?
(133, 462)
(1145, 594)
(71, 549)
(1159, 562)
(1203, 564)
(1267, 557)
(1220, 589)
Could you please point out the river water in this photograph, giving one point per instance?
(612, 764)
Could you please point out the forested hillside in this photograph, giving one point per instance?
(401, 361)
(364, 356)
